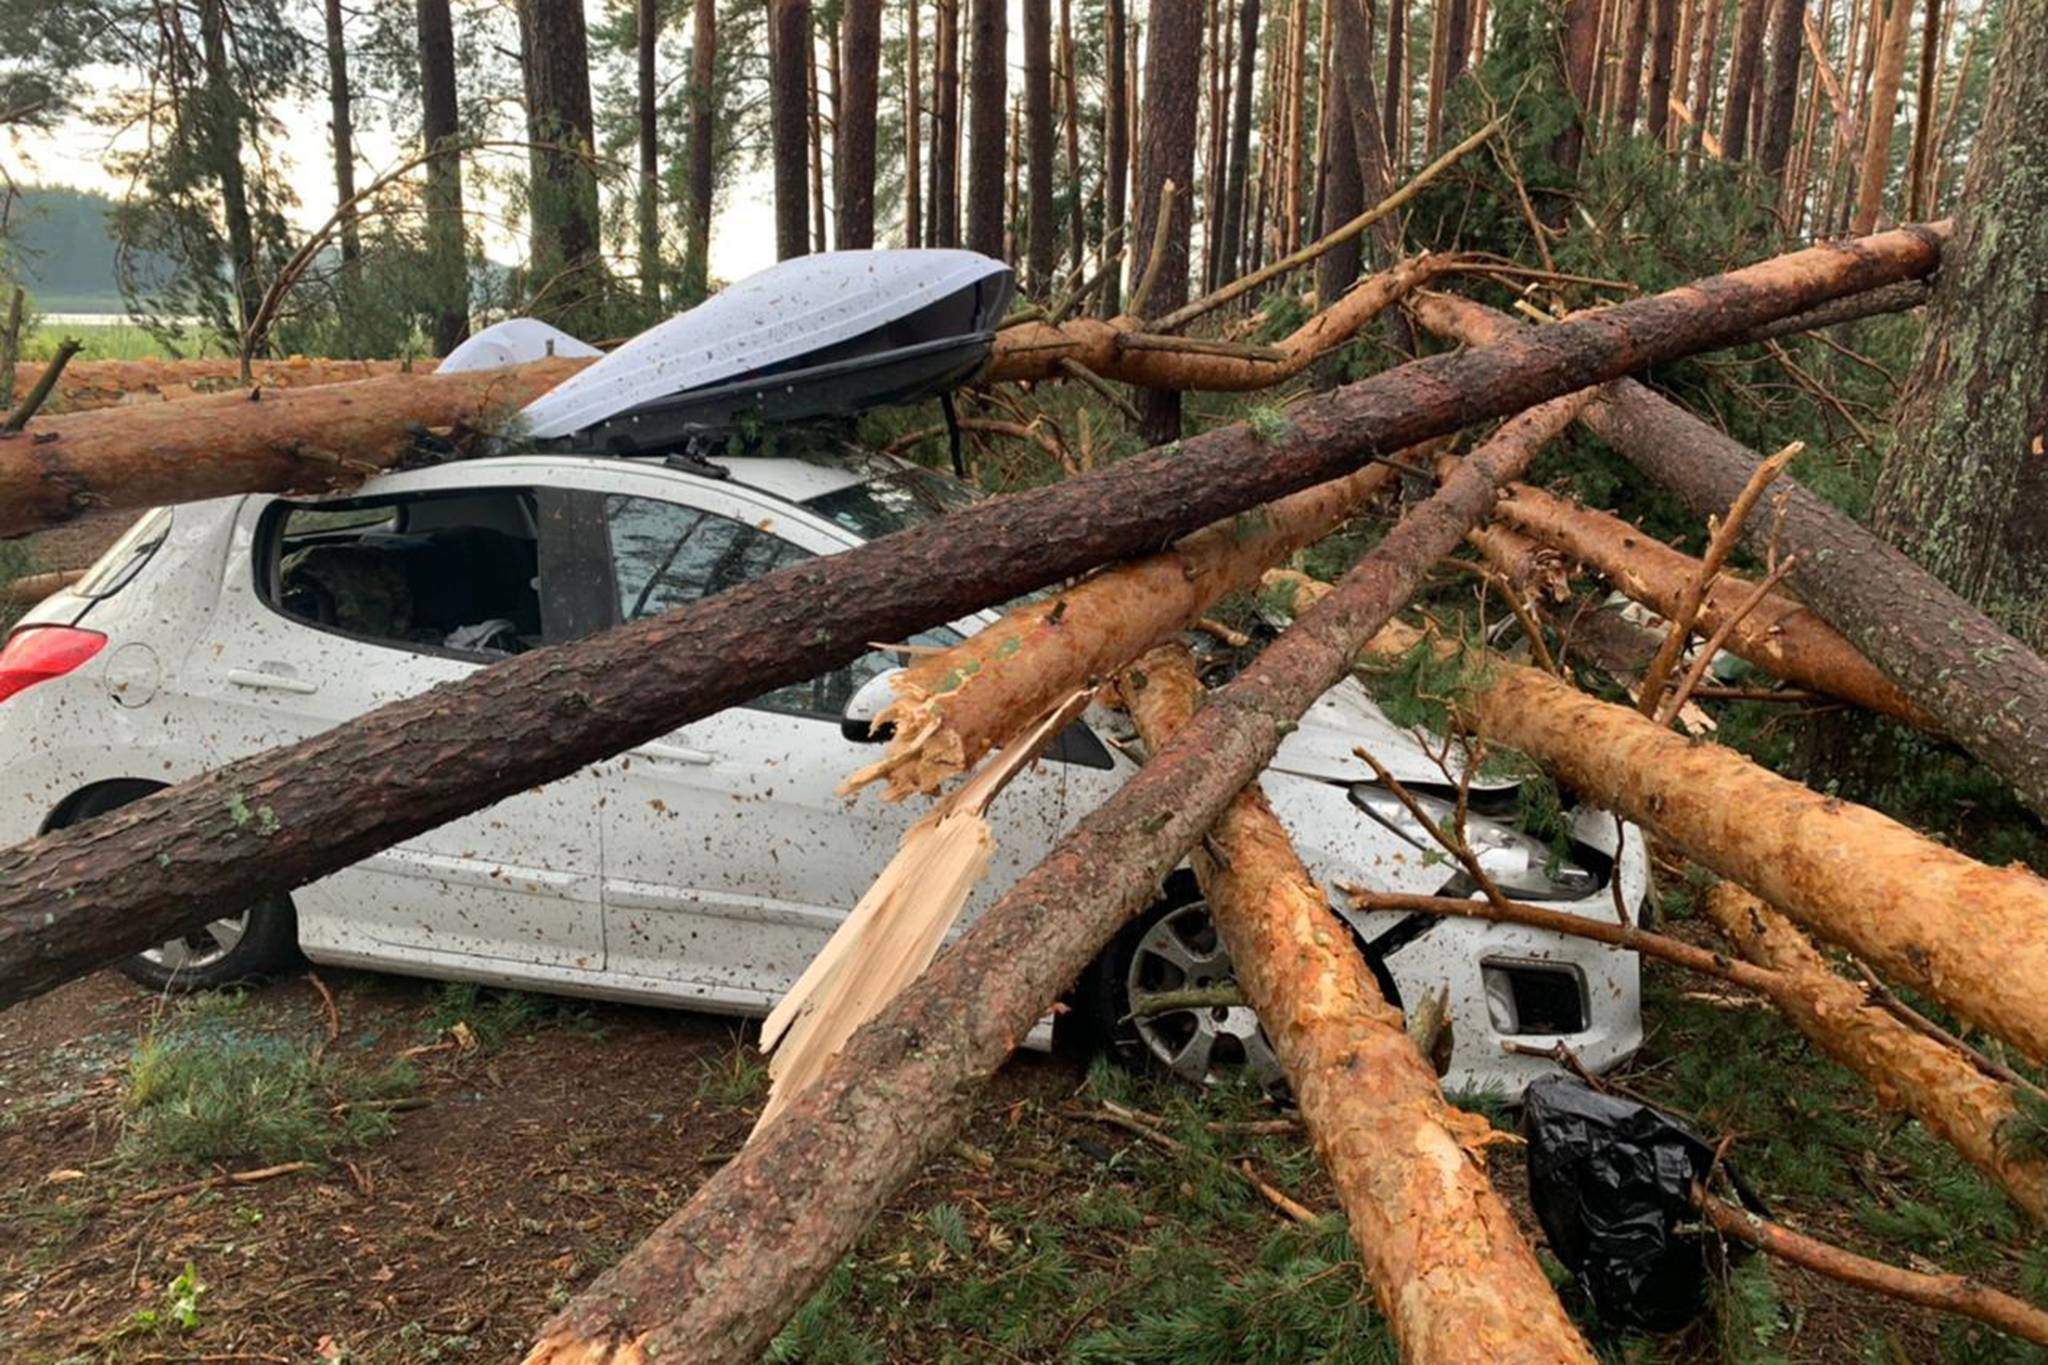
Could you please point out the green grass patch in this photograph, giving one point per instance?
(495, 1017)
(113, 340)
(207, 1086)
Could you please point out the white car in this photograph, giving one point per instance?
(703, 870)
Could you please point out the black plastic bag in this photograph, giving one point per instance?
(1612, 1181)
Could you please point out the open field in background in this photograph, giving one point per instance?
(455, 1195)
(113, 339)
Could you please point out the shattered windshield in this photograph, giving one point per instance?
(895, 499)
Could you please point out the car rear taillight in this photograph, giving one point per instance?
(39, 653)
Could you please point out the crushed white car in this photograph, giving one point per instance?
(705, 869)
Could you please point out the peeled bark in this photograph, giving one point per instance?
(1778, 635)
(1971, 936)
(88, 384)
(1909, 1070)
(954, 706)
(1449, 1269)
(33, 588)
(1990, 690)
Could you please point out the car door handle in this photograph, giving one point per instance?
(265, 681)
(671, 753)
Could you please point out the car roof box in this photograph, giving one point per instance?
(827, 335)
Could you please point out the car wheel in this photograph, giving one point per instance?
(260, 942)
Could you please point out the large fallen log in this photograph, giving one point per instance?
(33, 588)
(954, 705)
(1909, 1070)
(718, 1278)
(247, 441)
(1989, 691)
(1448, 1267)
(89, 384)
(1778, 635)
(77, 898)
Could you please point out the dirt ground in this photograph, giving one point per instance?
(521, 1166)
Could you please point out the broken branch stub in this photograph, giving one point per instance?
(1446, 1262)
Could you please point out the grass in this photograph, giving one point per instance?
(100, 341)
(496, 1017)
(204, 1087)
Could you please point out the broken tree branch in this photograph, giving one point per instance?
(34, 399)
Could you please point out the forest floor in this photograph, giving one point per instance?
(455, 1196)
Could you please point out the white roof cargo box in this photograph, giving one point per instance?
(824, 335)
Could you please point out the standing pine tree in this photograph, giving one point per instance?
(1166, 152)
(987, 118)
(565, 264)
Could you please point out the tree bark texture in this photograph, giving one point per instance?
(1910, 1071)
(1041, 244)
(954, 706)
(913, 127)
(1989, 690)
(789, 39)
(1778, 635)
(1664, 18)
(696, 283)
(1238, 145)
(1581, 43)
(860, 43)
(646, 36)
(717, 1280)
(1343, 198)
(1971, 936)
(441, 129)
(988, 85)
(1448, 1267)
(1880, 112)
(942, 228)
(566, 265)
(222, 136)
(1173, 66)
(1964, 489)
(342, 127)
(531, 719)
(1742, 76)
(1788, 46)
(1116, 145)
(1630, 76)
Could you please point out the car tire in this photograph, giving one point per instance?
(261, 943)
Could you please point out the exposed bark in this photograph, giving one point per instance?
(1779, 635)
(988, 94)
(540, 716)
(1173, 58)
(1117, 146)
(717, 1280)
(956, 705)
(1041, 253)
(1448, 1267)
(647, 32)
(440, 128)
(1971, 936)
(1880, 112)
(1787, 45)
(1989, 689)
(1909, 1070)
(1964, 485)
(789, 39)
(89, 384)
(342, 127)
(696, 281)
(1742, 75)
(33, 588)
(1664, 21)
(565, 262)
(860, 55)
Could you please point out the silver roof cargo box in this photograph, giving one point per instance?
(828, 335)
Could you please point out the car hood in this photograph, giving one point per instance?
(1344, 719)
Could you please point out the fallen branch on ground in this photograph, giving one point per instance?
(214, 1182)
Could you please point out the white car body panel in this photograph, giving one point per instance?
(702, 870)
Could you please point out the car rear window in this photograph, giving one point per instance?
(117, 568)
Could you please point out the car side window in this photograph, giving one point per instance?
(665, 555)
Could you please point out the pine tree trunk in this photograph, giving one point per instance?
(1706, 63)
(1041, 253)
(1663, 44)
(1394, 116)
(1457, 41)
(913, 131)
(789, 30)
(860, 56)
(647, 27)
(1173, 65)
(1296, 92)
(1681, 71)
(1343, 198)
(440, 128)
(942, 223)
(1788, 46)
(1924, 99)
(1116, 144)
(696, 282)
(1882, 110)
(1070, 88)
(1238, 154)
(343, 127)
(988, 86)
(815, 124)
(223, 139)
(1628, 97)
(567, 264)
(1581, 39)
(1964, 489)
(1742, 73)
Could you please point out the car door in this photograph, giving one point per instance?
(729, 855)
(517, 883)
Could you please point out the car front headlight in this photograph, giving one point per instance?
(1520, 865)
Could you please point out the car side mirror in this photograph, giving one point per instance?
(869, 700)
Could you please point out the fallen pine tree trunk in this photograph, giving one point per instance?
(1989, 690)
(716, 1280)
(1448, 1267)
(89, 384)
(1909, 1070)
(1778, 635)
(165, 864)
(955, 705)
(248, 441)
(30, 589)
